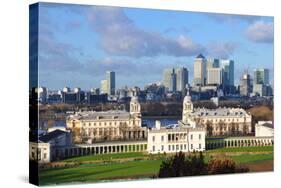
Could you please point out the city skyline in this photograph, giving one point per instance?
(143, 47)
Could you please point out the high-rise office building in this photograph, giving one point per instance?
(261, 76)
(214, 76)
(66, 89)
(104, 87)
(261, 81)
(228, 72)
(200, 70)
(181, 78)
(245, 85)
(169, 79)
(110, 77)
(213, 63)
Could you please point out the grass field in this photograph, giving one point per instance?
(89, 171)
(106, 157)
(243, 149)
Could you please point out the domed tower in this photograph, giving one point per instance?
(135, 107)
(187, 106)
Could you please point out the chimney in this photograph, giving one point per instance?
(158, 124)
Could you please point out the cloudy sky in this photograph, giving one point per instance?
(77, 44)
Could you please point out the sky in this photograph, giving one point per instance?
(79, 43)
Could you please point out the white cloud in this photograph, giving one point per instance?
(261, 32)
(222, 49)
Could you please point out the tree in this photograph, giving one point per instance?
(218, 166)
(179, 165)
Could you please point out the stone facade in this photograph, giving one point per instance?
(174, 139)
(91, 126)
(220, 121)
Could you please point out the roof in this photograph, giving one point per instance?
(51, 135)
(230, 112)
(200, 56)
(109, 115)
(269, 125)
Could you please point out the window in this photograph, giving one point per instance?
(153, 148)
(32, 154)
(162, 138)
(191, 146)
(162, 148)
(199, 136)
(45, 155)
(177, 147)
(173, 147)
(184, 146)
(169, 147)
(199, 146)
(153, 138)
(181, 146)
(191, 136)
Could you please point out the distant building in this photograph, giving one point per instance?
(95, 91)
(200, 70)
(104, 87)
(181, 79)
(42, 94)
(261, 76)
(213, 63)
(261, 82)
(214, 76)
(110, 77)
(66, 89)
(228, 75)
(259, 89)
(93, 98)
(73, 97)
(169, 79)
(54, 97)
(245, 85)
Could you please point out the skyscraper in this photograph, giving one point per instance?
(245, 85)
(213, 63)
(261, 76)
(181, 78)
(110, 77)
(261, 81)
(169, 79)
(200, 70)
(104, 87)
(214, 76)
(228, 72)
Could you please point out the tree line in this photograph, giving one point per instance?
(194, 164)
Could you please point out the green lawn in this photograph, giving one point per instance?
(252, 158)
(93, 173)
(243, 149)
(105, 157)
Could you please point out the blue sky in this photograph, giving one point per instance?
(77, 44)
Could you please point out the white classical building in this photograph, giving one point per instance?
(43, 149)
(175, 138)
(219, 121)
(92, 126)
(264, 129)
(186, 136)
